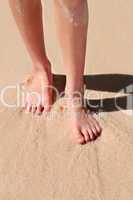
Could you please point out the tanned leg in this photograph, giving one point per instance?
(28, 17)
(72, 24)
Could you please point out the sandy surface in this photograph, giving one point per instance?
(37, 158)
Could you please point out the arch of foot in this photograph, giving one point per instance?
(75, 11)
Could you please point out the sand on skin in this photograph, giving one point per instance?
(37, 162)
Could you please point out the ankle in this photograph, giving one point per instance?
(43, 67)
(75, 89)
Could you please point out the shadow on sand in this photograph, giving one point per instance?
(120, 84)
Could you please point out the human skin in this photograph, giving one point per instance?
(72, 23)
(31, 29)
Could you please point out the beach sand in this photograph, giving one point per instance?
(38, 160)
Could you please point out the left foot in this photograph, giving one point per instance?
(84, 126)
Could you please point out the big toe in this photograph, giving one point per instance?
(47, 109)
(28, 108)
(39, 110)
(79, 137)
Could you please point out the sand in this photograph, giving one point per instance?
(38, 160)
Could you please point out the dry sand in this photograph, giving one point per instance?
(38, 161)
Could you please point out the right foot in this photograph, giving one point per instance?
(41, 84)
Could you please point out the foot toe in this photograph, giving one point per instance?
(79, 137)
(39, 110)
(81, 141)
(86, 135)
(97, 125)
(33, 109)
(92, 127)
(47, 107)
(28, 108)
(91, 134)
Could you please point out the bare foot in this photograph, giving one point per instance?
(84, 126)
(38, 89)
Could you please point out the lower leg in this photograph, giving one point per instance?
(28, 16)
(72, 23)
